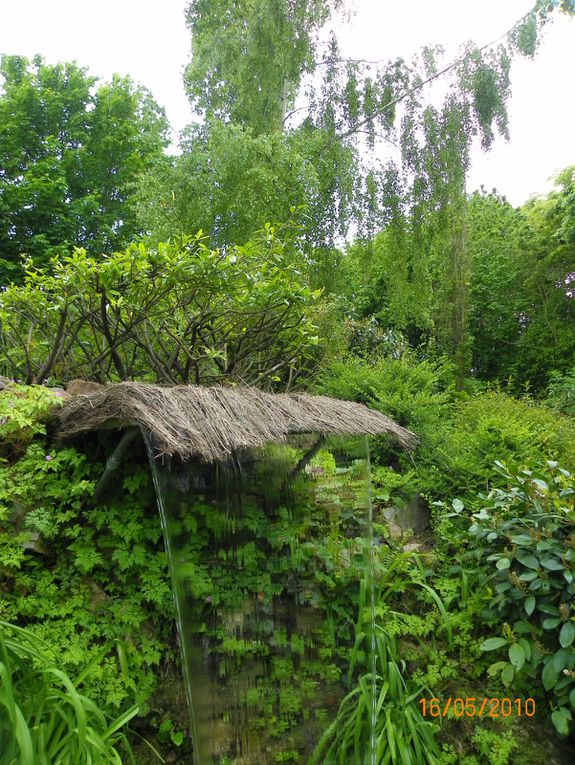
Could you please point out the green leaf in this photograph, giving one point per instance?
(529, 604)
(492, 644)
(517, 656)
(526, 648)
(567, 634)
(521, 539)
(548, 608)
(177, 737)
(503, 563)
(560, 722)
(551, 623)
(494, 669)
(457, 505)
(507, 675)
(522, 627)
(549, 676)
(552, 564)
(530, 561)
(561, 658)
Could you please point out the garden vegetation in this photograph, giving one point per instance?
(274, 250)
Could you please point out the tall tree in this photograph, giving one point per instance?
(249, 58)
(546, 274)
(253, 60)
(70, 152)
(497, 295)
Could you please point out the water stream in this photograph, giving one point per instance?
(266, 554)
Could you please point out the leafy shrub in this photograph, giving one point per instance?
(561, 392)
(408, 390)
(488, 427)
(44, 718)
(177, 313)
(527, 532)
(380, 720)
(411, 392)
(459, 439)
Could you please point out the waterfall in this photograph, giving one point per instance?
(266, 553)
(370, 586)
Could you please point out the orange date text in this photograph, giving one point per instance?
(470, 706)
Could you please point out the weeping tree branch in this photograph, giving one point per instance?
(431, 78)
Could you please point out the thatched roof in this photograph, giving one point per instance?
(211, 423)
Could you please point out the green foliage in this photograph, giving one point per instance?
(70, 152)
(78, 576)
(168, 732)
(459, 439)
(380, 720)
(216, 185)
(411, 392)
(495, 747)
(382, 713)
(266, 566)
(250, 64)
(249, 58)
(543, 296)
(488, 427)
(376, 280)
(561, 391)
(44, 717)
(526, 532)
(481, 277)
(176, 313)
(496, 295)
(24, 411)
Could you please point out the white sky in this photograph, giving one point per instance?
(150, 42)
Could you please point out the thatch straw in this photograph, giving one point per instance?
(211, 423)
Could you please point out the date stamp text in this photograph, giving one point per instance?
(471, 706)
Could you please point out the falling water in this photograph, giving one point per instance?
(369, 576)
(266, 553)
(173, 563)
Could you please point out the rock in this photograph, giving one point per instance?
(395, 531)
(80, 387)
(414, 516)
(35, 543)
